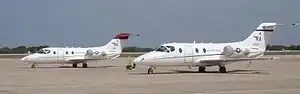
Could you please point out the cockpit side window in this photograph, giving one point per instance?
(162, 49)
(172, 48)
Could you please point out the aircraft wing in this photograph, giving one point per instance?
(89, 58)
(78, 59)
(235, 59)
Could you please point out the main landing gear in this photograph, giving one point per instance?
(222, 69)
(150, 70)
(74, 65)
(201, 69)
(84, 65)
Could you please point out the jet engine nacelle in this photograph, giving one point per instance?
(230, 51)
(95, 54)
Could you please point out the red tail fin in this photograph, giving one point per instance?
(124, 36)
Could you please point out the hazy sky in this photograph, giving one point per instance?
(94, 22)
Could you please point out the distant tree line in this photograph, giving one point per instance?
(136, 49)
(282, 47)
(33, 49)
(21, 49)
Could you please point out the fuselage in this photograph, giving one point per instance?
(74, 56)
(62, 55)
(205, 55)
(189, 54)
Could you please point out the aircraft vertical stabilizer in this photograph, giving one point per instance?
(115, 45)
(261, 36)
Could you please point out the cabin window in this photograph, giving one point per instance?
(72, 52)
(66, 52)
(197, 50)
(54, 52)
(180, 50)
(172, 48)
(204, 50)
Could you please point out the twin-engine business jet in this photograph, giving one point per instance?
(75, 56)
(210, 54)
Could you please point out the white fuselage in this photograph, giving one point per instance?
(65, 55)
(189, 54)
(210, 54)
(74, 56)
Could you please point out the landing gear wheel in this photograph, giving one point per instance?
(150, 70)
(128, 67)
(222, 69)
(74, 65)
(84, 65)
(33, 66)
(201, 69)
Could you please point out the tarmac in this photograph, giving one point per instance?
(110, 77)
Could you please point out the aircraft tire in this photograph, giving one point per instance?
(74, 65)
(222, 69)
(201, 69)
(33, 66)
(84, 65)
(150, 71)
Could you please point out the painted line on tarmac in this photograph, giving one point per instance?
(243, 91)
(247, 79)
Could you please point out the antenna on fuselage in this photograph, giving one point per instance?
(194, 42)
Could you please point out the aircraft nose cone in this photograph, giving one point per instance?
(138, 60)
(25, 58)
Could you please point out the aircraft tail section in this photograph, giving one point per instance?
(260, 37)
(115, 45)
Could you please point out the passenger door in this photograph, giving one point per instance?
(188, 54)
(60, 55)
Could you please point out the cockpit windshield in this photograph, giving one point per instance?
(162, 49)
(44, 51)
(41, 52)
(171, 48)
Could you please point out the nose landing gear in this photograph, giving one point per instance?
(150, 70)
(33, 65)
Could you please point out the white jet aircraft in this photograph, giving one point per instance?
(59, 55)
(203, 55)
